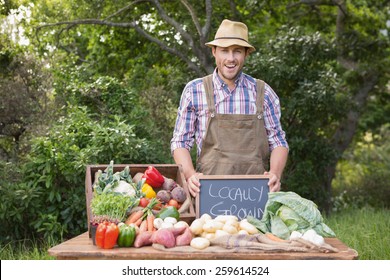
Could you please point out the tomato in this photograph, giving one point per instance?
(143, 202)
(173, 203)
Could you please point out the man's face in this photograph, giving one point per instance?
(229, 61)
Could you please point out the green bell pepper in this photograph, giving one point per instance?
(169, 211)
(126, 235)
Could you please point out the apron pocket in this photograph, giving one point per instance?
(236, 135)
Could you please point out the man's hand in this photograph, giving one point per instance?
(274, 182)
(193, 184)
(277, 163)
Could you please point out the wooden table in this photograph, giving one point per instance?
(81, 247)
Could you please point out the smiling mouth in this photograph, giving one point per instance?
(230, 66)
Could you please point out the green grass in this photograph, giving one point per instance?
(25, 250)
(366, 230)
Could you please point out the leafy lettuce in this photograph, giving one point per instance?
(286, 212)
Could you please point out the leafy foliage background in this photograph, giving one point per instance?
(93, 93)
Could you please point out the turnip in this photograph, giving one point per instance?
(157, 223)
(168, 184)
(179, 194)
(170, 220)
(163, 195)
(138, 177)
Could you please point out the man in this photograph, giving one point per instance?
(233, 118)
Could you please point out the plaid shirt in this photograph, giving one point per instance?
(193, 110)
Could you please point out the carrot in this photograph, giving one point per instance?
(144, 226)
(150, 220)
(274, 237)
(132, 219)
(139, 222)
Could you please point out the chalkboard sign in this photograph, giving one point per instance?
(232, 195)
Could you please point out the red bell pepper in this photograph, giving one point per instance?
(153, 177)
(106, 235)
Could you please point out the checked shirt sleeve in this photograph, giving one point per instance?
(184, 131)
(272, 114)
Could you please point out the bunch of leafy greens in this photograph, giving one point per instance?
(119, 182)
(112, 205)
(286, 212)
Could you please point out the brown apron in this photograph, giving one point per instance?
(234, 144)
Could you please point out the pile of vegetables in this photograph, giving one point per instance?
(145, 210)
(206, 229)
(166, 190)
(128, 211)
(165, 230)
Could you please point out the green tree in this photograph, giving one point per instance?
(352, 74)
(361, 63)
(24, 88)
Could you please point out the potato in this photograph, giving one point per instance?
(251, 229)
(233, 223)
(243, 232)
(207, 235)
(226, 218)
(220, 233)
(200, 243)
(212, 226)
(181, 224)
(197, 226)
(230, 229)
(205, 217)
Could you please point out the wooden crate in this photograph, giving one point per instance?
(171, 171)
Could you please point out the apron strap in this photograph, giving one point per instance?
(208, 85)
(260, 85)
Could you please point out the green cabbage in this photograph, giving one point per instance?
(286, 212)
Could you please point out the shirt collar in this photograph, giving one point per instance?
(219, 83)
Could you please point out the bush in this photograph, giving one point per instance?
(17, 204)
(49, 200)
(103, 119)
(363, 175)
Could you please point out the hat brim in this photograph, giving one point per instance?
(224, 43)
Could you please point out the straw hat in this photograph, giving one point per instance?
(231, 33)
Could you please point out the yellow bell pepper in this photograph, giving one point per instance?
(148, 191)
